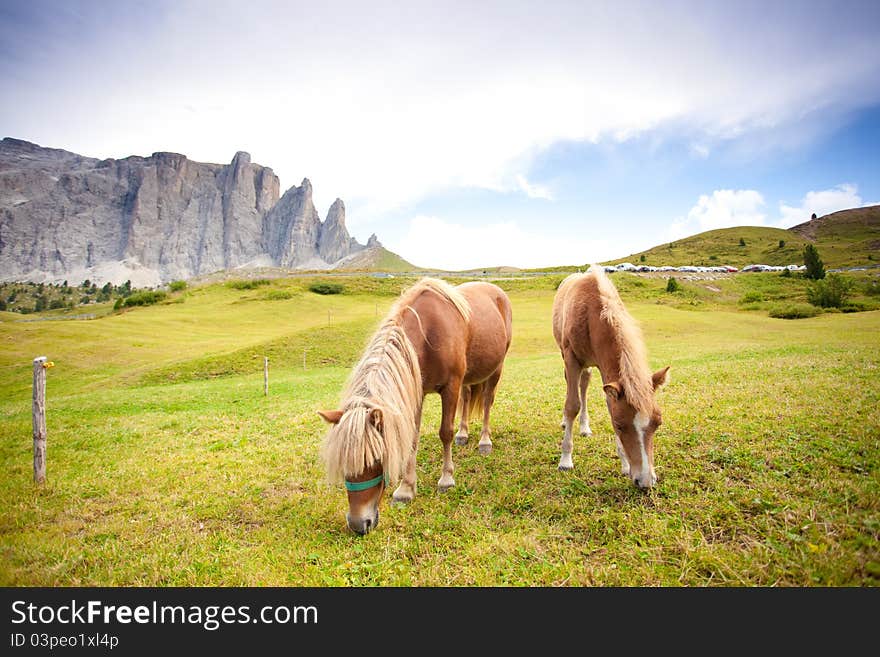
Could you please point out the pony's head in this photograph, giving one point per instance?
(360, 428)
(636, 417)
(358, 452)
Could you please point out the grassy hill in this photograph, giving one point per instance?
(377, 258)
(845, 238)
(848, 237)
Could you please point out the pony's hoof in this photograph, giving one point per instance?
(461, 439)
(400, 501)
(586, 432)
(445, 486)
(565, 468)
(485, 449)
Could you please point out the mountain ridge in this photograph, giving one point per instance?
(153, 219)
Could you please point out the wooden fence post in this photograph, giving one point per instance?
(39, 417)
(265, 375)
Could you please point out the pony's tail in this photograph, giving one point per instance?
(476, 400)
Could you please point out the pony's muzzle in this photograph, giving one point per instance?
(362, 525)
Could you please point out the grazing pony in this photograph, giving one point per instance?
(436, 338)
(593, 328)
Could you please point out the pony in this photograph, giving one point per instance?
(435, 339)
(592, 328)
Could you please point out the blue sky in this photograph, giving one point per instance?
(477, 134)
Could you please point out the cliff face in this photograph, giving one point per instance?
(153, 219)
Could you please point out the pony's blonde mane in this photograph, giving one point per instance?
(386, 378)
(438, 286)
(635, 376)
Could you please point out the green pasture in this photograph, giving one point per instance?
(167, 465)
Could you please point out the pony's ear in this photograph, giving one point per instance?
(613, 390)
(330, 417)
(661, 377)
(376, 418)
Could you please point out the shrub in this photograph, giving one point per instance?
(119, 303)
(742, 241)
(794, 311)
(247, 285)
(326, 288)
(177, 286)
(752, 297)
(2, 304)
(831, 292)
(55, 304)
(786, 273)
(672, 285)
(642, 258)
(146, 298)
(781, 244)
(279, 295)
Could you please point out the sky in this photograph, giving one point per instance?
(467, 135)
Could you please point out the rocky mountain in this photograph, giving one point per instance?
(154, 219)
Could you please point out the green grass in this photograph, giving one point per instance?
(168, 466)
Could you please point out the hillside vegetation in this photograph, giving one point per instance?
(844, 239)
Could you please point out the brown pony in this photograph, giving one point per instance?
(593, 328)
(436, 338)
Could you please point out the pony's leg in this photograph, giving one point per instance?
(485, 445)
(406, 491)
(585, 417)
(624, 462)
(461, 438)
(449, 402)
(565, 372)
(572, 406)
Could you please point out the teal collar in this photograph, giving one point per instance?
(364, 485)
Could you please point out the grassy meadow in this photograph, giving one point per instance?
(167, 466)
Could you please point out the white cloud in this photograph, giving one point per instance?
(728, 207)
(826, 201)
(383, 107)
(700, 151)
(724, 208)
(533, 191)
(435, 243)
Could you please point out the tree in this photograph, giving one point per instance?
(781, 244)
(815, 269)
(642, 258)
(742, 242)
(813, 217)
